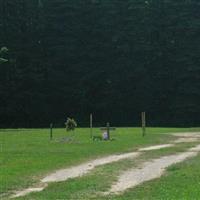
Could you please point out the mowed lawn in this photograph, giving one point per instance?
(28, 154)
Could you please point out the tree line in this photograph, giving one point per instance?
(111, 58)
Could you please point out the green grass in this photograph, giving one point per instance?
(27, 155)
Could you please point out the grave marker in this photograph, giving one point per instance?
(108, 129)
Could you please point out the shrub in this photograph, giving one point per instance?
(70, 124)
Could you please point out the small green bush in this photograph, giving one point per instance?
(70, 124)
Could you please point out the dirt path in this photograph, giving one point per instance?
(149, 170)
(156, 147)
(76, 171)
(82, 169)
(28, 191)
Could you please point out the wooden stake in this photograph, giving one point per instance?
(143, 124)
(108, 129)
(91, 126)
(51, 131)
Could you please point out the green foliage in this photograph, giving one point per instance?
(2, 60)
(119, 59)
(40, 3)
(71, 124)
(3, 52)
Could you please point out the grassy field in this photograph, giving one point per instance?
(27, 155)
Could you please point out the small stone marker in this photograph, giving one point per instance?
(108, 129)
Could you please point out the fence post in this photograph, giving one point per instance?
(108, 129)
(143, 124)
(91, 128)
(51, 131)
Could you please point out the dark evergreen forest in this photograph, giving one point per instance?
(114, 58)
